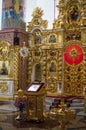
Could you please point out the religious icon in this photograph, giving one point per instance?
(3, 70)
(73, 14)
(52, 67)
(52, 39)
(37, 38)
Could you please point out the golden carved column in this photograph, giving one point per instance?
(44, 66)
(29, 65)
(15, 62)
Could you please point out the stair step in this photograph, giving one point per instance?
(81, 113)
(78, 101)
(77, 104)
(77, 108)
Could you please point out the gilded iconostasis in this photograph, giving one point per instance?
(54, 56)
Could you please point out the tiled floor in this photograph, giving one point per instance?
(8, 122)
(8, 113)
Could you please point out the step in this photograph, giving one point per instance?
(81, 113)
(76, 108)
(77, 104)
(78, 100)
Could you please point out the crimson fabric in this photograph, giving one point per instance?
(70, 58)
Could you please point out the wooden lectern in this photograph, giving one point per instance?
(35, 101)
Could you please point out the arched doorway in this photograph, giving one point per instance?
(38, 72)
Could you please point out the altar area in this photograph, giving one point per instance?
(56, 57)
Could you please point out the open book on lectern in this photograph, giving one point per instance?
(34, 87)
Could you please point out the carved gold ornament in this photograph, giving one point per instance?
(37, 19)
(73, 53)
(3, 87)
(24, 52)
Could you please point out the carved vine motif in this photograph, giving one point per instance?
(3, 87)
(73, 75)
(52, 84)
(73, 35)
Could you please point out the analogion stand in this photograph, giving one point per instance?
(35, 101)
